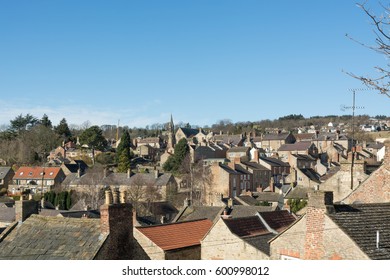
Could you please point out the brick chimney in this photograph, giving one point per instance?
(320, 203)
(116, 220)
(24, 209)
(256, 156)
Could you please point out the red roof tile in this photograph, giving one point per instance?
(36, 172)
(246, 226)
(278, 220)
(177, 235)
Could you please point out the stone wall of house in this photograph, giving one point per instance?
(221, 244)
(152, 250)
(189, 253)
(315, 236)
(220, 185)
(376, 189)
(340, 183)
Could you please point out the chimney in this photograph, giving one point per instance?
(24, 209)
(128, 173)
(122, 196)
(386, 158)
(156, 174)
(79, 172)
(225, 215)
(105, 173)
(116, 221)
(115, 196)
(187, 202)
(230, 202)
(320, 203)
(256, 156)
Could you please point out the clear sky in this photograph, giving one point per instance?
(201, 60)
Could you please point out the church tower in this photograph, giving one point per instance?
(171, 135)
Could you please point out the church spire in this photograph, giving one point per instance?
(171, 134)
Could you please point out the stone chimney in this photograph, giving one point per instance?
(187, 202)
(256, 156)
(24, 209)
(156, 173)
(128, 173)
(386, 158)
(320, 203)
(105, 173)
(116, 221)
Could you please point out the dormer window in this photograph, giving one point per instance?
(30, 174)
(51, 173)
(21, 173)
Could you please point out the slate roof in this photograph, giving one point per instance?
(311, 174)
(4, 171)
(74, 167)
(239, 150)
(229, 170)
(234, 140)
(254, 165)
(192, 213)
(177, 235)
(261, 242)
(361, 223)
(53, 238)
(7, 214)
(304, 157)
(278, 220)
(304, 136)
(275, 136)
(189, 132)
(240, 211)
(274, 161)
(298, 146)
(246, 226)
(375, 145)
(267, 196)
(299, 192)
(118, 179)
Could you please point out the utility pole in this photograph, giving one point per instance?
(353, 148)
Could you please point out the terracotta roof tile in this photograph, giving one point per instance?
(177, 235)
(25, 172)
(246, 226)
(278, 220)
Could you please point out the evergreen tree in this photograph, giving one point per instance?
(124, 161)
(62, 129)
(45, 121)
(69, 200)
(93, 137)
(174, 162)
(124, 145)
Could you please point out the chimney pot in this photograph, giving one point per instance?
(122, 196)
(115, 195)
(108, 197)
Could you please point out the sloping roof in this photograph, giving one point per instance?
(375, 145)
(275, 136)
(304, 136)
(53, 238)
(193, 213)
(311, 174)
(74, 167)
(274, 161)
(246, 226)
(254, 165)
(304, 157)
(299, 192)
(26, 173)
(177, 235)
(4, 171)
(267, 196)
(239, 150)
(298, 146)
(189, 132)
(234, 140)
(229, 170)
(7, 214)
(278, 220)
(361, 223)
(240, 211)
(260, 242)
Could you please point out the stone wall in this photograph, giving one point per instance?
(221, 244)
(376, 189)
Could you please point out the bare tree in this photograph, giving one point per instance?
(198, 178)
(381, 24)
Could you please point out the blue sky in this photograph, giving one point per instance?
(202, 61)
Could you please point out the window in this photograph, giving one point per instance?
(51, 173)
(21, 173)
(30, 174)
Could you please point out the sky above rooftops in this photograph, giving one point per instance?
(202, 61)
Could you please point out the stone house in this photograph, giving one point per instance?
(36, 179)
(75, 166)
(177, 241)
(260, 174)
(154, 142)
(279, 170)
(238, 154)
(193, 136)
(375, 188)
(299, 148)
(210, 151)
(334, 232)
(230, 140)
(35, 237)
(273, 141)
(244, 238)
(6, 175)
